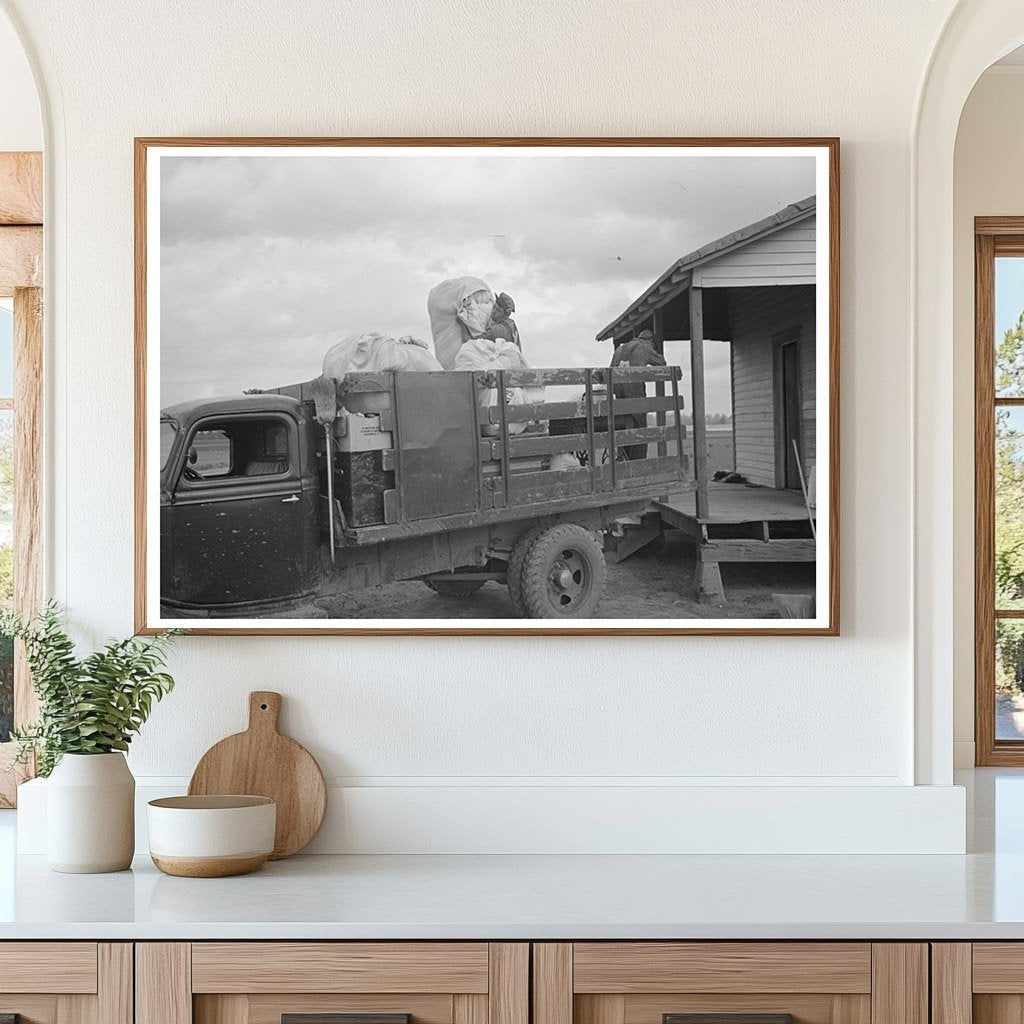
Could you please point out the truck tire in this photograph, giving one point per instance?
(516, 561)
(564, 573)
(454, 588)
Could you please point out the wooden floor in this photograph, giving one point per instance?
(738, 503)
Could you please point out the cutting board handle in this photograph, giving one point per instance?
(264, 710)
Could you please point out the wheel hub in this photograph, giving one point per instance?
(563, 578)
(567, 581)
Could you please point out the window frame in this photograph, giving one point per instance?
(993, 237)
(179, 483)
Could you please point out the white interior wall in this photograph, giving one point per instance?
(432, 718)
(987, 182)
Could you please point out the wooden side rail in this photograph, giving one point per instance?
(557, 376)
(549, 444)
(530, 411)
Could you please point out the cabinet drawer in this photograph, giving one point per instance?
(752, 967)
(65, 967)
(340, 967)
(332, 983)
(730, 983)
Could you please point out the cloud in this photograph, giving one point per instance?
(268, 260)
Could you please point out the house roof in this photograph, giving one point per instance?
(677, 278)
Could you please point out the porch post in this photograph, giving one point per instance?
(658, 325)
(700, 436)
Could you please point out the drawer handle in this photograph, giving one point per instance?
(727, 1018)
(340, 1018)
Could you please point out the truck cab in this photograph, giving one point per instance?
(239, 507)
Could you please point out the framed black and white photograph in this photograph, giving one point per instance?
(487, 385)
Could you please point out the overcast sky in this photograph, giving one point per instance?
(266, 261)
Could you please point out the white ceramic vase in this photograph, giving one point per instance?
(90, 814)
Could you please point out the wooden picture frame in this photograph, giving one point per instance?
(654, 310)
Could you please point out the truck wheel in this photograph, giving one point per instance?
(564, 574)
(516, 561)
(454, 588)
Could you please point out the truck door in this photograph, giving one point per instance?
(242, 513)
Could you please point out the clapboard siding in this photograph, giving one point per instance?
(758, 316)
(788, 256)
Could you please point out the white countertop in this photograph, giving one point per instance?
(516, 897)
(978, 896)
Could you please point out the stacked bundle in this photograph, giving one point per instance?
(484, 354)
(459, 310)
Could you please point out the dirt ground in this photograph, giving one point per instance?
(655, 583)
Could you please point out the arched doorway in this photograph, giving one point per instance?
(977, 33)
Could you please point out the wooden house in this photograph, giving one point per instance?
(755, 289)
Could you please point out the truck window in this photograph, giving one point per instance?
(238, 448)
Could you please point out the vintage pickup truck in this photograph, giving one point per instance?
(275, 501)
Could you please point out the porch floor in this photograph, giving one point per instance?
(738, 503)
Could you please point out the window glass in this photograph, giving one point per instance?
(168, 432)
(1009, 510)
(1009, 327)
(6, 353)
(1009, 679)
(209, 455)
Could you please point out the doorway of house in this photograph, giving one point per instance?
(787, 411)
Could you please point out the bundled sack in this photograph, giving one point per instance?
(459, 309)
(372, 353)
(485, 354)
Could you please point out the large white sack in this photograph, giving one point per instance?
(372, 353)
(485, 354)
(459, 309)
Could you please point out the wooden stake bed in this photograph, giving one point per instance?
(459, 464)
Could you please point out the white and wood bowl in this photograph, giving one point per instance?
(211, 836)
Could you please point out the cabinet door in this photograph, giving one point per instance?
(332, 983)
(65, 983)
(980, 982)
(730, 983)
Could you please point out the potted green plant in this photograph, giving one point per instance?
(90, 708)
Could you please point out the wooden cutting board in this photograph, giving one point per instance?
(262, 762)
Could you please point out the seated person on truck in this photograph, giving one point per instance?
(501, 326)
(640, 351)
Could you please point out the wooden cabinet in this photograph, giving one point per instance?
(307, 982)
(978, 983)
(753, 982)
(66, 982)
(494, 983)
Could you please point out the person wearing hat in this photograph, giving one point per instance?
(639, 351)
(501, 326)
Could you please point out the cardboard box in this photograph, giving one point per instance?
(355, 433)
